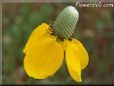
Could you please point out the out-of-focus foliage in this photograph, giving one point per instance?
(95, 29)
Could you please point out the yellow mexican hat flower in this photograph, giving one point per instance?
(46, 46)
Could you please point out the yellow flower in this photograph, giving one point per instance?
(44, 54)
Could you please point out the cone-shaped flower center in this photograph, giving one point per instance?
(65, 23)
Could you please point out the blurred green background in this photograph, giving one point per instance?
(95, 29)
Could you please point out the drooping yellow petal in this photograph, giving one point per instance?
(37, 33)
(81, 51)
(44, 57)
(73, 62)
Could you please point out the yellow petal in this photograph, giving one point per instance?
(73, 62)
(37, 33)
(81, 51)
(44, 59)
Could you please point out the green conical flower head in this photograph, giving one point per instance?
(65, 23)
